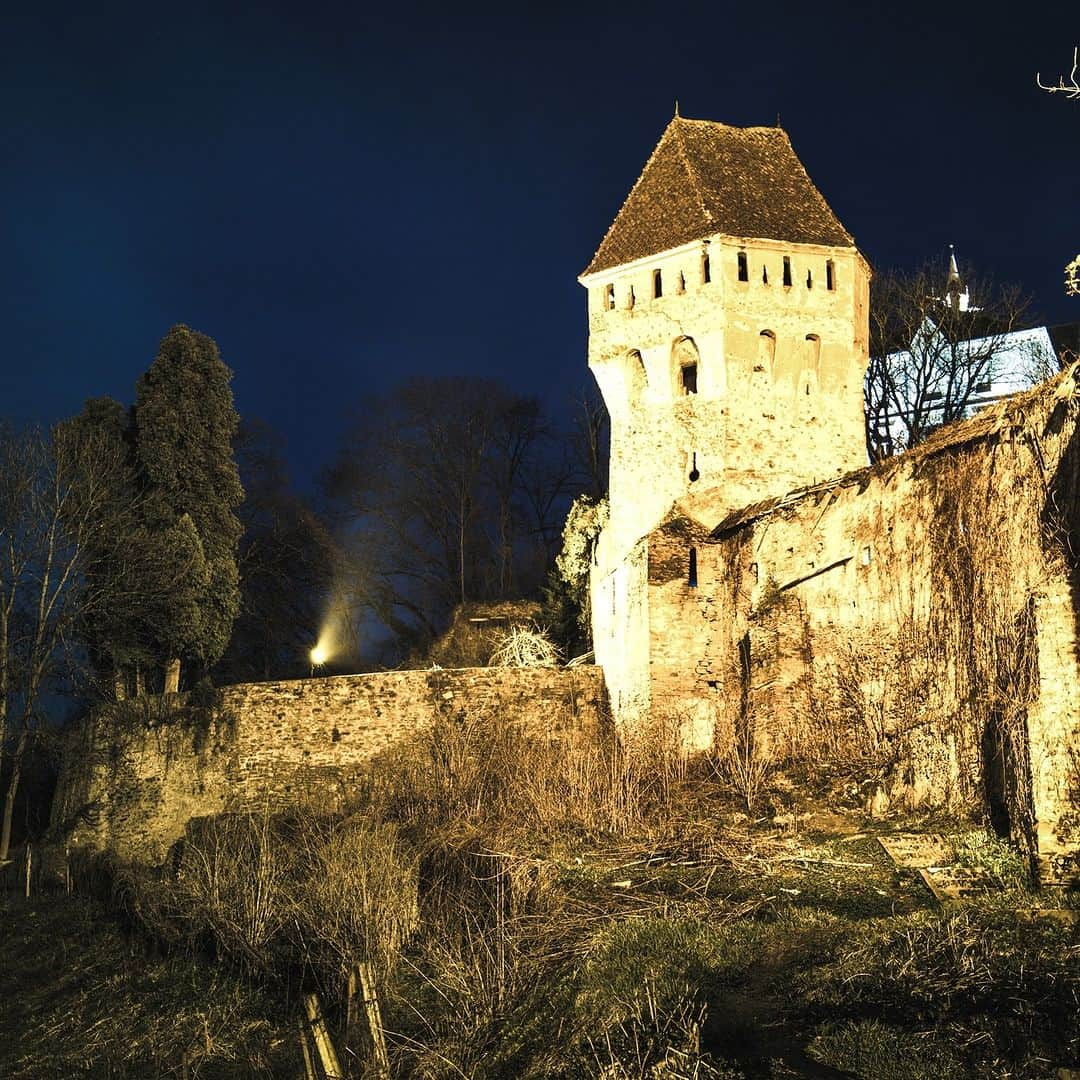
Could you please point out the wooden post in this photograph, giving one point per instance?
(305, 1045)
(172, 677)
(374, 1019)
(321, 1036)
(29, 858)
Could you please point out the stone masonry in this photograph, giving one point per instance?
(302, 743)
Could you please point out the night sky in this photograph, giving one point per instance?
(341, 199)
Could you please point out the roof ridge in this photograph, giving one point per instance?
(695, 180)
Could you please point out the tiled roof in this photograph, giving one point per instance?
(705, 178)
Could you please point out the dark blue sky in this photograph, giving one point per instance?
(341, 199)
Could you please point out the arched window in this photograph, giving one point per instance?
(830, 275)
(766, 352)
(787, 270)
(609, 297)
(685, 363)
(657, 284)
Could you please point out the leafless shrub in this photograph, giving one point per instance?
(235, 882)
(356, 896)
(744, 765)
(524, 646)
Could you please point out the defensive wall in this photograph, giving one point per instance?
(131, 784)
(919, 616)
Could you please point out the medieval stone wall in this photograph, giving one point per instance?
(921, 614)
(132, 789)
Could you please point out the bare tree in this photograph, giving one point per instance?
(446, 490)
(56, 514)
(933, 355)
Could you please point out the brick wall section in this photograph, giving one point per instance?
(305, 742)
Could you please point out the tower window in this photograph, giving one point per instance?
(706, 275)
(657, 285)
(609, 297)
(692, 576)
(764, 274)
(688, 378)
(632, 299)
(787, 270)
(744, 270)
(830, 275)
(680, 284)
(809, 279)
(766, 352)
(695, 476)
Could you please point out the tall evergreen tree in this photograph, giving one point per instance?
(184, 426)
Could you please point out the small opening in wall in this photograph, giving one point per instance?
(830, 275)
(866, 556)
(680, 283)
(809, 279)
(764, 275)
(609, 297)
(744, 269)
(633, 298)
(787, 270)
(657, 284)
(335, 735)
(754, 571)
(688, 378)
(692, 577)
(706, 275)
(694, 474)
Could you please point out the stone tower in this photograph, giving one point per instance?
(728, 331)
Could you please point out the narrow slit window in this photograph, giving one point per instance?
(633, 298)
(695, 476)
(680, 286)
(809, 279)
(609, 297)
(764, 274)
(688, 378)
(744, 269)
(692, 575)
(706, 275)
(787, 270)
(657, 284)
(830, 276)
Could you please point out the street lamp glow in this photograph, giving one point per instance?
(319, 655)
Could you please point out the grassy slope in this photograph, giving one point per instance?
(80, 999)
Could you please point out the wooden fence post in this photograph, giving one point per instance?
(305, 1045)
(321, 1037)
(374, 1019)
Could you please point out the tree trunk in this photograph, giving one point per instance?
(172, 677)
(119, 688)
(13, 787)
